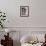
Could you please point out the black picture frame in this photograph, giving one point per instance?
(24, 11)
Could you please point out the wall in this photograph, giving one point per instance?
(37, 13)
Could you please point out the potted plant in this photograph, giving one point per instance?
(2, 19)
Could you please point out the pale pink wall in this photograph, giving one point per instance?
(37, 13)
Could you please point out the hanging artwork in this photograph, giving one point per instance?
(24, 11)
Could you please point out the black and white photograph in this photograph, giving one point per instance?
(24, 11)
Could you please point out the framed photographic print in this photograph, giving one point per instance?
(24, 11)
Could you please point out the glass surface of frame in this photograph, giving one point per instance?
(24, 11)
